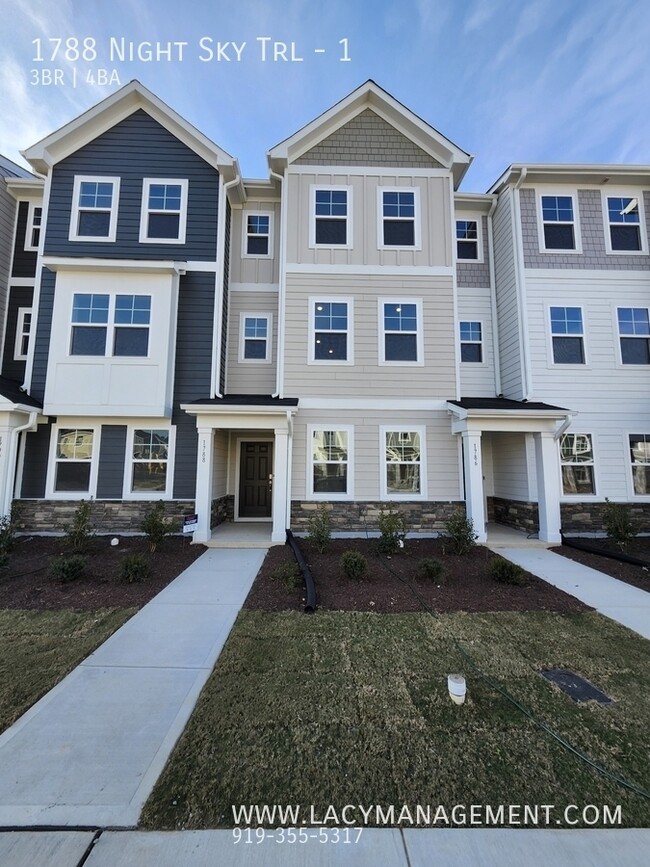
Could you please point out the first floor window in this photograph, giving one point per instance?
(471, 345)
(73, 458)
(398, 218)
(640, 457)
(258, 231)
(577, 461)
(634, 332)
(401, 333)
(150, 455)
(330, 320)
(330, 461)
(403, 458)
(466, 240)
(567, 334)
(255, 338)
(23, 330)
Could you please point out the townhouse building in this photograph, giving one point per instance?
(353, 330)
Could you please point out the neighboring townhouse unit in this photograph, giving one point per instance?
(352, 331)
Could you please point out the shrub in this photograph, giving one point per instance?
(66, 569)
(134, 568)
(354, 564)
(505, 571)
(392, 527)
(320, 528)
(620, 527)
(460, 530)
(289, 575)
(80, 532)
(156, 526)
(431, 570)
(8, 528)
(4, 563)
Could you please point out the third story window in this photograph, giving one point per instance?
(577, 461)
(567, 335)
(330, 456)
(163, 211)
(331, 217)
(400, 321)
(466, 239)
(624, 223)
(330, 331)
(94, 209)
(471, 346)
(640, 457)
(398, 214)
(634, 332)
(558, 220)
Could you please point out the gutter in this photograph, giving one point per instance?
(11, 460)
(279, 364)
(218, 313)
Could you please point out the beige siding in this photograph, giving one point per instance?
(510, 466)
(220, 474)
(250, 377)
(435, 379)
(435, 222)
(510, 350)
(254, 269)
(477, 380)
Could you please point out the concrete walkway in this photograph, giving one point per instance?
(89, 752)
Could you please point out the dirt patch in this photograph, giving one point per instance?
(466, 586)
(628, 572)
(27, 582)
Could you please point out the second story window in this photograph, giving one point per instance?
(33, 231)
(330, 329)
(467, 240)
(164, 211)
(471, 342)
(567, 335)
(398, 218)
(331, 209)
(254, 340)
(624, 224)
(401, 339)
(94, 208)
(558, 223)
(634, 335)
(258, 235)
(104, 324)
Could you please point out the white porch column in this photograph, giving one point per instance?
(548, 487)
(280, 475)
(474, 499)
(204, 474)
(6, 475)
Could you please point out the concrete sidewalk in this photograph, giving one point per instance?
(89, 752)
(622, 602)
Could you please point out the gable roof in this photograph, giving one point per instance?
(115, 108)
(371, 96)
(9, 169)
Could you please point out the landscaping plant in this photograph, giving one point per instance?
(354, 564)
(156, 526)
(80, 532)
(431, 570)
(289, 575)
(505, 571)
(460, 530)
(66, 569)
(620, 527)
(392, 527)
(320, 528)
(8, 527)
(134, 568)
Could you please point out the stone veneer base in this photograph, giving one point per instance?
(108, 516)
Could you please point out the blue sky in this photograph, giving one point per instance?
(507, 80)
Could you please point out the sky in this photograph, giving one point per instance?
(532, 81)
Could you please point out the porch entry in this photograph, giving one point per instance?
(255, 479)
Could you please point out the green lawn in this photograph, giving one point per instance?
(352, 708)
(38, 648)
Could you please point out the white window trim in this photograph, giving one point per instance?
(144, 210)
(417, 228)
(310, 493)
(77, 424)
(551, 356)
(619, 305)
(482, 343)
(258, 212)
(572, 498)
(20, 333)
(577, 233)
(29, 230)
(478, 219)
(383, 487)
(149, 424)
(639, 498)
(74, 219)
(381, 332)
(110, 326)
(312, 219)
(330, 299)
(243, 316)
(628, 194)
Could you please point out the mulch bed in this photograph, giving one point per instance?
(466, 588)
(628, 572)
(28, 584)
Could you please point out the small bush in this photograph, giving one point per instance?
(289, 575)
(134, 568)
(66, 569)
(431, 570)
(79, 533)
(460, 531)
(156, 526)
(392, 527)
(620, 527)
(320, 528)
(354, 564)
(8, 528)
(505, 571)
(4, 564)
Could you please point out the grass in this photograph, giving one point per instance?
(38, 648)
(352, 708)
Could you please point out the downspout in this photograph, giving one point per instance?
(29, 365)
(218, 313)
(521, 288)
(287, 520)
(454, 287)
(279, 366)
(565, 424)
(493, 300)
(11, 460)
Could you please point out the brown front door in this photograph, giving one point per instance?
(255, 469)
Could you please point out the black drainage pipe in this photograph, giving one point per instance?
(310, 604)
(613, 555)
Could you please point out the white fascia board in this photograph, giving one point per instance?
(592, 174)
(238, 409)
(30, 189)
(144, 266)
(369, 403)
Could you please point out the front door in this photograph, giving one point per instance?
(255, 477)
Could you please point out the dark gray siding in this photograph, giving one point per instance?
(20, 296)
(37, 446)
(194, 338)
(134, 149)
(43, 330)
(475, 275)
(110, 476)
(7, 217)
(223, 350)
(24, 262)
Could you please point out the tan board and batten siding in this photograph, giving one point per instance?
(510, 348)
(247, 270)
(251, 377)
(477, 379)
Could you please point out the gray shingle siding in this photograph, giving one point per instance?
(110, 476)
(475, 275)
(24, 261)
(43, 331)
(37, 446)
(20, 296)
(134, 149)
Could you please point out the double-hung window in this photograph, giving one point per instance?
(399, 218)
(624, 224)
(558, 223)
(400, 339)
(33, 230)
(330, 330)
(577, 463)
(116, 325)
(149, 461)
(255, 337)
(402, 452)
(94, 208)
(634, 335)
(567, 335)
(467, 240)
(330, 459)
(23, 331)
(164, 211)
(640, 459)
(258, 235)
(471, 342)
(73, 459)
(331, 208)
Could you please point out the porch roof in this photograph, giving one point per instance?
(504, 403)
(12, 393)
(229, 400)
(503, 414)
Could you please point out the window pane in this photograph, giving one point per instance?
(467, 250)
(330, 346)
(559, 237)
(257, 246)
(568, 350)
(471, 352)
(163, 226)
(74, 444)
(640, 457)
(403, 478)
(635, 350)
(132, 309)
(90, 308)
(150, 444)
(88, 340)
(94, 224)
(330, 445)
(149, 476)
(578, 479)
(131, 341)
(72, 476)
(255, 348)
(625, 237)
(330, 478)
(331, 231)
(470, 330)
(401, 347)
(576, 448)
(399, 233)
